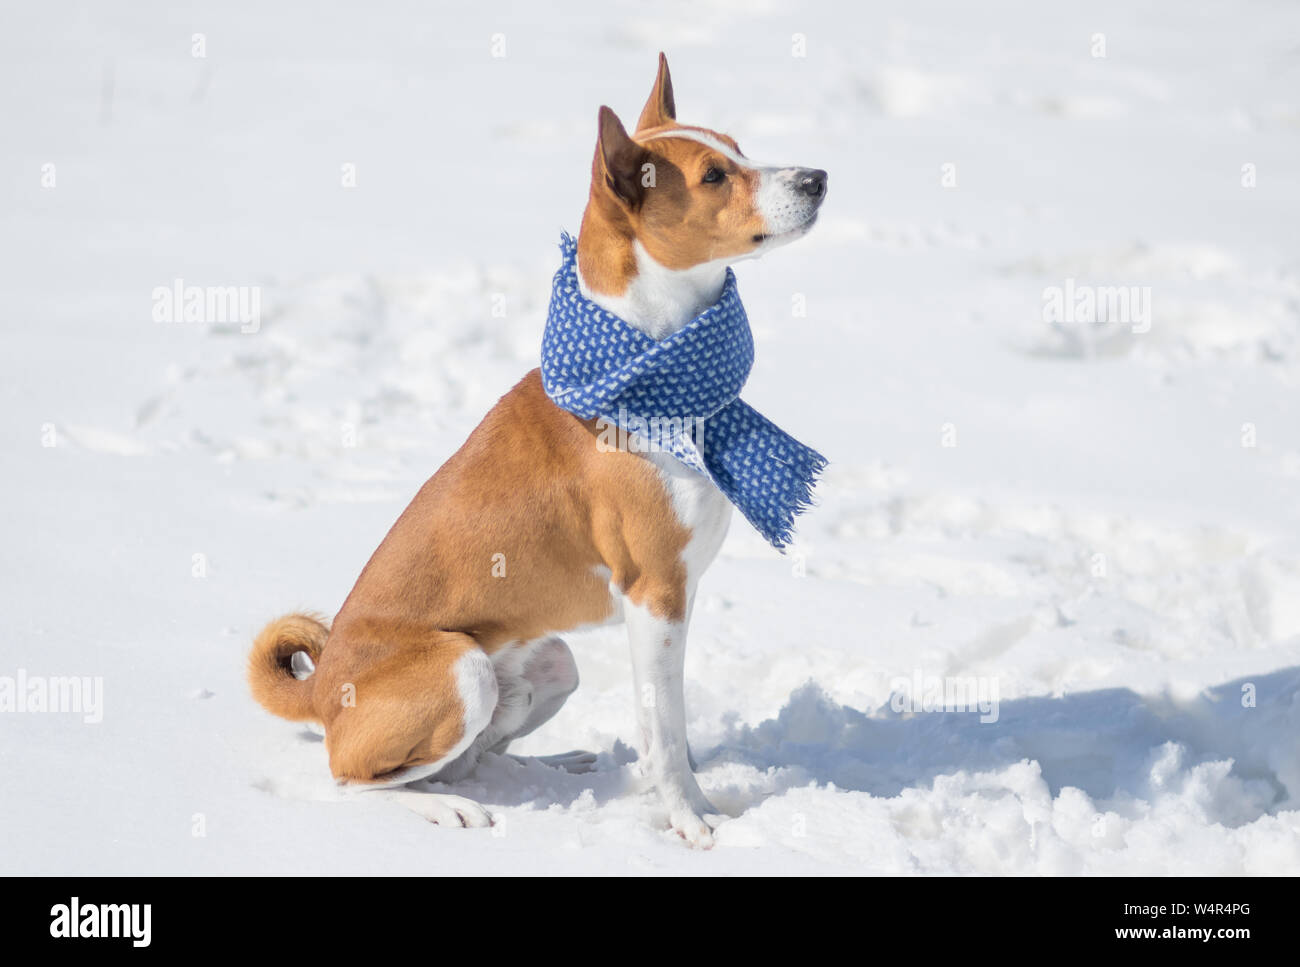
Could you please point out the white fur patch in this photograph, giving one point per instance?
(660, 300)
(709, 141)
(784, 206)
(701, 507)
(301, 665)
(476, 681)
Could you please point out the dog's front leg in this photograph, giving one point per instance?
(658, 660)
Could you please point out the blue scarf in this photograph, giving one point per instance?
(680, 394)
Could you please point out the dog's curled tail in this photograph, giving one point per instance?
(284, 655)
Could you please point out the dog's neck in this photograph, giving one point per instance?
(619, 275)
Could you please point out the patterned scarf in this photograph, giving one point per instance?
(680, 395)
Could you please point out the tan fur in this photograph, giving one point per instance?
(681, 221)
(661, 106)
(389, 701)
(269, 677)
(529, 484)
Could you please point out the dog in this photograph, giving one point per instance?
(447, 647)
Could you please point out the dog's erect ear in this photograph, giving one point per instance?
(661, 108)
(618, 159)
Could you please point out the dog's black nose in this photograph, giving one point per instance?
(812, 182)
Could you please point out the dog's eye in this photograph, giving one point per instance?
(713, 175)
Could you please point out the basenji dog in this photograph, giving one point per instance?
(434, 659)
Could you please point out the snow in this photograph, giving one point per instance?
(1102, 550)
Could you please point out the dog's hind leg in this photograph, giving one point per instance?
(538, 677)
(417, 709)
(532, 685)
(551, 675)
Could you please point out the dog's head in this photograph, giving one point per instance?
(690, 194)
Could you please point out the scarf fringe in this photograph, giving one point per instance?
(781, 532)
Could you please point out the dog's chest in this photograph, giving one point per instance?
(700, 507)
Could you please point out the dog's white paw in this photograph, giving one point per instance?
(693, 817)
(695, 829)
(447, 810)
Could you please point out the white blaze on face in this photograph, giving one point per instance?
(784, 207)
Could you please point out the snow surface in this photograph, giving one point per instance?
(1099, 546)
